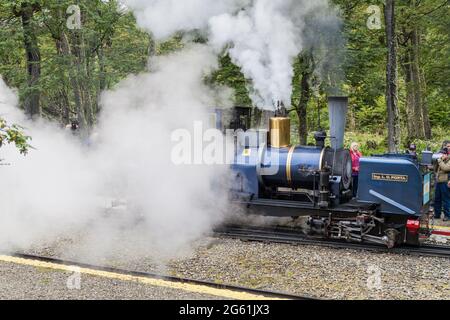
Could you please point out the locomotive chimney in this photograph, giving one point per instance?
(337, 107)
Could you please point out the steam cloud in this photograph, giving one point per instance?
(266, 38)
(165, 17)
(61, 186)
(262, 36)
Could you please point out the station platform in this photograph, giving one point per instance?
(31, 279)
(441, 230)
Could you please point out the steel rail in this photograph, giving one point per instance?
(293, 236)
(264, 293)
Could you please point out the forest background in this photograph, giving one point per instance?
(60, 73)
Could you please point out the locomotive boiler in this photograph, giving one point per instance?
(274, 178)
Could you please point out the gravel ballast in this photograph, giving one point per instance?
(303, 270)
(19, 282)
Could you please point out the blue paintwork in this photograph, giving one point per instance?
(395, 197)
(245, 172)
(400, 198)
(279, 155)
(305, 161)
(245, 181)
(405, 156)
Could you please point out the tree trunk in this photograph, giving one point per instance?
(62, 51)
(151, 49)
(302, 107)
(84, 110)
(33, 55)
(102, 70)
(64, 46)
(353, 118)
(418, 122)
(65, 106)
(418, 98)
(305, 96)
(391, 79)
(420, 87)
(410, 96)
(425, 113)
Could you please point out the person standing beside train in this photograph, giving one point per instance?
(412, 150)
(448, 150)
(442, 191)
(356, 156)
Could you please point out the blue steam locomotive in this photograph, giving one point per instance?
(274, 178)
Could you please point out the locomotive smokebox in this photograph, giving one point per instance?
(337, 107)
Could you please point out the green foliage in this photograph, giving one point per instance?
(375, 143)
(230, 75)
(439, 136)
(173, 44)
(115, 47)
(14, 134)
(112, 45)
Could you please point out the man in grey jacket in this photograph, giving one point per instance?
(442, 192)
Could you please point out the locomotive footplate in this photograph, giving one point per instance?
(362, 206)
(283, 208)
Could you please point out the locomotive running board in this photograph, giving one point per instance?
(284, 208)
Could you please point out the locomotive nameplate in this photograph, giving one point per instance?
(389, 177)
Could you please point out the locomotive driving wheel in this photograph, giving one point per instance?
(391, 237)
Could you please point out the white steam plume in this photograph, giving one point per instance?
(262, 36)
(264, 40)
(46, 192)
(61, 186)
(165, 17)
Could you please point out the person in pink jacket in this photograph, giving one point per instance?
(356, 155)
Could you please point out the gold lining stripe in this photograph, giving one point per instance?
(189, 287)
(288, 165)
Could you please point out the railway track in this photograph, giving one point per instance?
(293, 236)
(264, 294)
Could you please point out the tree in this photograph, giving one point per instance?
(391, 79)
(71, 67)
(60, 73)
(304, 72)
(230, 75)
(415, 81)
(26, 10)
